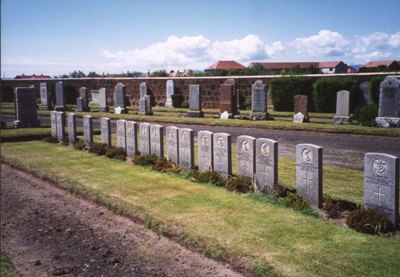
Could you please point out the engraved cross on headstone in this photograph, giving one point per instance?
(306, 180)
(220, 162)
(379, 195)
(265, 173)
(244, 167)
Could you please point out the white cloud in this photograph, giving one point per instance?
(275, 48)
(394, 40)
(376, 46)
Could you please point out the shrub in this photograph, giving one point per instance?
(145, 160)
(79, 145)
(284, 89)
(239, 184)
(334, 208)
(177, 100)
(50, 139)
(3, 125)
(185, 104)
(365, 115)
(374, 87)
(117, 153)
(164, 165)
(99, 149)
(295, 201)
(208, 176)
(325, 89)
(369, 221)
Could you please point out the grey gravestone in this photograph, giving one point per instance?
(25, 108)
(169, 92)
(342, 107)
(53, 120)
(364, 98)
(143, 89)
(60, 97)
(195, 102)
(103, 105)
(172, 143)
(119, 97)
(228, 98)
(222, 153)
(205, 150)
(85, 99)
(144, 138)
(71, 119)
(121, 133)
(186, 148)
(105, 126)
(245, 156)
(157, 140)
(60, 118)
(309, 173)
(45, 103)
(88, 130)
(298, 118)
(131, 138)
(389, 102)
(79, 104)
(145, 105)
(266, 163)
(381, 184)
(301, 106)
(258, 101)
(95, 96)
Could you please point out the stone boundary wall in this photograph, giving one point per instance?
(209, 86)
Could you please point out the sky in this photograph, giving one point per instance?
(59, 36)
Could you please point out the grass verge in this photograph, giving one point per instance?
(6, 266)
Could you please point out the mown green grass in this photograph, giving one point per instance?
(6, 266)
(278, 240)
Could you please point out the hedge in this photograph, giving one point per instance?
(373, 88)
(284, 89)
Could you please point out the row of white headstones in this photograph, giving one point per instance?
(257, 159)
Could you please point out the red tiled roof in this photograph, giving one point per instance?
(378, 63)
(32, 76)
(329, 64)
(286, 65)
(220, 65)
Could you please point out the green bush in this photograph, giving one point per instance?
(365, 115)
(185, 104)
(369, 221)
(3, 125)
(177, 100)
(208, 176)
(145, 160)
(79, 145)
(284, 89)
(50, 139)
(99, 149)
(117, 153)
(325, 90)
(239, 184)
(164, 165)
(295, 201)
(373, 87)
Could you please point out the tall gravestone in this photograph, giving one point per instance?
(119, 97)
(222, 153)
(245, 156)
(205, 150)
(60, 97)
(45, 103)
(145, 105)
(79, 104)
(60, 118)
(195, 102)
(53, 121)
(157, 140)
(301, 107)
(342, 107)
(169, 92)
(121, 133)
(88, 130)
(266, 164)
(172, 143)
(186, 148)
(142, 89)
(144, 139)
(94, 95)
(103, 104)
(381, 184)
(228, 97)
(85, 98)
(105, 126)
(25, 108)
(131, 138)
(258, 101)
(309, 173)
(71, 122)
(364, 96)
(389, 102)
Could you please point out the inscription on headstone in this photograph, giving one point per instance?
(45, 103)
(71, 119)
(172, 143)
(121, 133)
(258, 100)
(95, 96)
(25, 108)
(186, 148)
(195, 102)
(309, 173)
(144, 138)
(169, 92)
(60, 98)
(157, 140)
(60, 117)
(389, 102)
(105, 126)
(245, 156)
(119, 97)
(381, 184)
(266, 163)
(131, 138)
(103, 105)
(142, 89)
(222, 153)
(88, 130)
(205, 150)
(342, 107)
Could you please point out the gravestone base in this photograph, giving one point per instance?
(341, 120)
(168, 103)
(123, 111)
(59, 109)
(26, 124)
(259, 116)
(388, 122)
(104, 109)
(195, 114)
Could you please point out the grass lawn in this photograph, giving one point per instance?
(279, 241)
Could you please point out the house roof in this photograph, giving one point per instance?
(329, 64)
(220, 65)
(285, 65)
(378, 63)
(23, 76)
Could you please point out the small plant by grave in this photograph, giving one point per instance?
(145, 160)
(79, 145)
(335, 208)
(50, 139)
(239, 184)
(369, 221)
(164, 165)
(295, 201)
(365, 115)
(97, 148)
(117, 153)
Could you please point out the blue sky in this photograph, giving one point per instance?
(59, 36)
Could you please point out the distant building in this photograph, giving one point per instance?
(376, 66)
(332, 67)
(351, 69)
(225, 65)
(28, 77)
(307, 67)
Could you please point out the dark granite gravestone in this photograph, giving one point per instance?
(169, 92)
(266, 164)
(381, 184)
(258, 101)
(301, 106)
(103, 105)
(71, 122)
(119, 97)
(195, 102)
(60, 118)
(205, 150)
(389, 102)
(144, 139)
(79, 104)
(222, 156)
(309, 173)
(105, 126)
(228, 98)
(172, 143)
(45, 103)
(186, 148)
(131, 138)
(60, 97)
(121, 133)
(25, 108)
(364, 96)
(157, 140)
(245, 156)
(88, 130)
(53, 121)
(85, 99)
(342, 107)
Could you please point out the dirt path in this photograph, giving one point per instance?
(48, 232)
